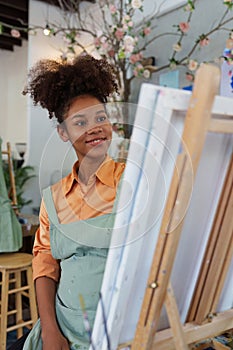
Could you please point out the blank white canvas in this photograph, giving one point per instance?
(154, 145)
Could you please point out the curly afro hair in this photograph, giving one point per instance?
(54, 85)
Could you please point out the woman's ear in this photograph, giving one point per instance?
(62, 133)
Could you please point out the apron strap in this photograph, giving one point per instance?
(50, 207)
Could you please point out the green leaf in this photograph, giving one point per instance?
(229, 4)
(121, 55)
(71, 49)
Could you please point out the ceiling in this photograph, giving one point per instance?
(14, 14)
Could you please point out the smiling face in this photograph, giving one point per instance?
(87, 127)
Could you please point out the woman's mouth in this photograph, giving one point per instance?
(96, 142)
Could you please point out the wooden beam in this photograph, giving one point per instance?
(17, 4)
(10, 40)
(221, 126)
(8, 12)
(12, 22)
(194, 333)
(228, 259)
(174, 320)
(65, 3)
(6, 47)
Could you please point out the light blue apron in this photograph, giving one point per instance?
(82, 247)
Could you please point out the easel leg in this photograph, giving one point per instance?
(174, 320)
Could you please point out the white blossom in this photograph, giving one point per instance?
(177, 47)
(136, 4)
(146, 74)
(128, 40)
(129, 44)
(192, 65)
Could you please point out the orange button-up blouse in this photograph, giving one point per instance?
(74, 201)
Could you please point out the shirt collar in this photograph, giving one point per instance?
(105, 173)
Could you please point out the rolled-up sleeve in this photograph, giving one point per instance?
(43, 263)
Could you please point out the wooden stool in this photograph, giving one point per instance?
(12, 266)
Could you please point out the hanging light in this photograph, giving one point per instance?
(47, 30)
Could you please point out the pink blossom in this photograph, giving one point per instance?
(127, 22)
(146, 30)
(111, 53)
(119, 33)
(204, 42)
(113, 9)
(184, 27)
(127, 25)
(97, 42)
(128, 48)
(138, 70)
(135, 58)
(15, 33)
(189, 77)
(66, 40)
(104, 44)
(77, 36)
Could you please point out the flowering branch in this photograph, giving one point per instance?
(109, 29)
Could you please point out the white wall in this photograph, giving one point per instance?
(45, 151)
(13, 115)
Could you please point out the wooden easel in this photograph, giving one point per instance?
(159, 291)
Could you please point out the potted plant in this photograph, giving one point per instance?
(22, 175)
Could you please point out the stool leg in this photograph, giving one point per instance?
(18, 303)
(4, 309)
(32, 297)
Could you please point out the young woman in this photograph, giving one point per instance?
(77, 213)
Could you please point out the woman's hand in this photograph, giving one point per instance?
(51, 335)
(54, 340)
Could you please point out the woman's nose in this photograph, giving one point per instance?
(94, 130)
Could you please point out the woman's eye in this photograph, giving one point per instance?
(101, 118)
(80, 123)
